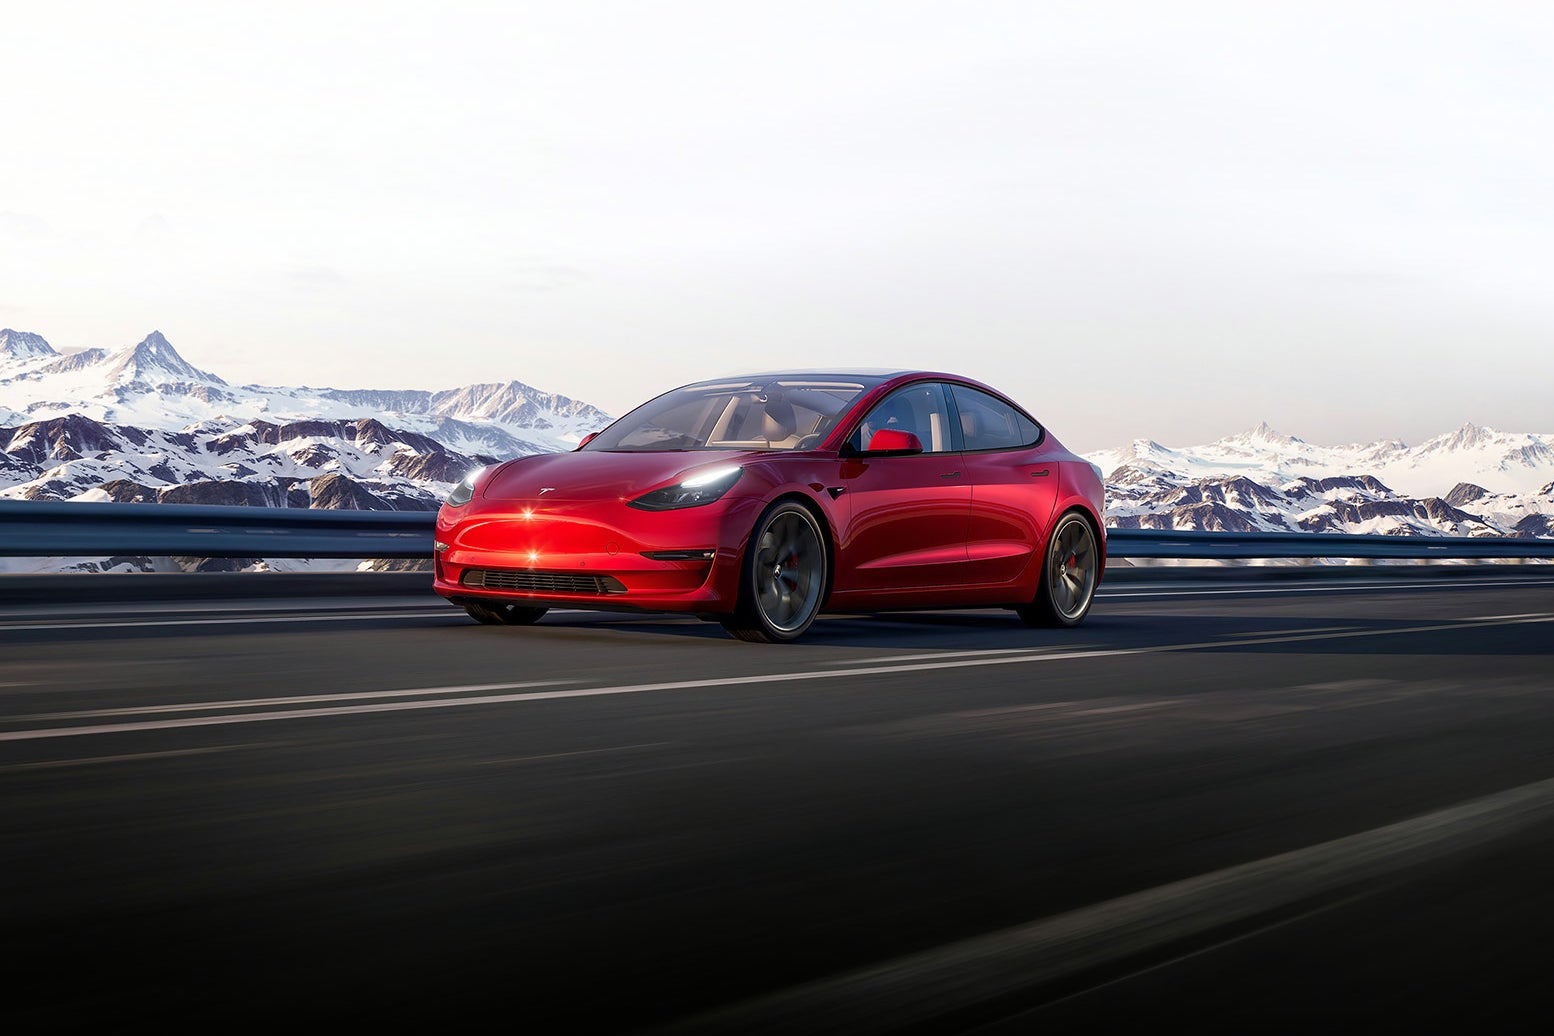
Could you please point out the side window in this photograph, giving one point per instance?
(919, 409)
(987, 423)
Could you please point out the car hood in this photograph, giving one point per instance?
(597, 474)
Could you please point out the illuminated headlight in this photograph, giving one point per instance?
(464, 492)
(701, 488)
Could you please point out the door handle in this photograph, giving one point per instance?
(950, 474)
(1043, 473)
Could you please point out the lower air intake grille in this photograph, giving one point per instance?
(541, 582)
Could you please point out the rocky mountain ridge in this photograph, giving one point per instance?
(1473, 481)
(142, 424)
(150, 385)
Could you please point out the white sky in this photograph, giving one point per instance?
(1141, 219)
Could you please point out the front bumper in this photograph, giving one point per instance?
(590, 554)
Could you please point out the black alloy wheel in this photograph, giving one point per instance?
(784, 578)
(1068, 576)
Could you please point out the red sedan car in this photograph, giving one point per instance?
(761, 501)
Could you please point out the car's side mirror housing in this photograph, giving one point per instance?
(585, 440)
(895, 441)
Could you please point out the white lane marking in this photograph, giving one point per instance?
(1312, 629)
(916, 988)
(932, 654)
(1104, 594)
(721, 681)
(1527, 615)
(251, 620)
(243, 703)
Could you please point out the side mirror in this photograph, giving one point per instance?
(585, 440)
(891, 440)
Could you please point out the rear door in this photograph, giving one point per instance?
(1013, 488)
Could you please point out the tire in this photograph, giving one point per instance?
(1068, 576)
(502, 614)
(783, 582)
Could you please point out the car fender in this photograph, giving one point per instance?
(1080, 488)
(763, 483)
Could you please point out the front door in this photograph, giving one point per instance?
(908, 513)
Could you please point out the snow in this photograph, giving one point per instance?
(149, 385)
(1501, 462)
(141, 423)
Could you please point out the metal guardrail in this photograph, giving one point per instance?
(38, 529)
(1150, 543)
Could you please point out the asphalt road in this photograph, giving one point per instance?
(1241, 808)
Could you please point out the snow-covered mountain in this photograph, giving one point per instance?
(150, 385)
(1502, 462)
(142, 424)
(23, 345)
(360, 464)
(1470, 482)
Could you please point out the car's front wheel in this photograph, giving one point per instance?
(784, 578)
(500, 613)
(1068, 575)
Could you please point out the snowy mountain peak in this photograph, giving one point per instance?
(154, 361)
(149, 385)
(513, 402)
(1263, 435)
(1467, 437)
(1145, 452)
(23, 345)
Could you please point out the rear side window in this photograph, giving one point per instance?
(988, 423)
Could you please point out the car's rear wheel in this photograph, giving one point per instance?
(784, 577)
(1068, 576)
(500, 613)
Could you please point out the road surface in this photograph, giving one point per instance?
(1235, 808)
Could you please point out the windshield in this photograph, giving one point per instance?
(777, 413)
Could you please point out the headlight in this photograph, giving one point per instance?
(464, 492)
(701, 488)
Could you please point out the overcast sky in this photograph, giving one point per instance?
(1140, 219)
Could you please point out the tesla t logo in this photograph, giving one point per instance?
(547, 489)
